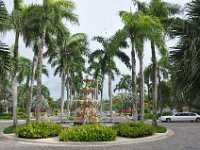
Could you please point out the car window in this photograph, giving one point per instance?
(191, 114)
(184, 114)
(177, 115)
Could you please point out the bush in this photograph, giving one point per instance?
(148, 116)
(133, 129)
(5, 116)
(89, 132)
(160, 129)
(38, 130)
(9, 130)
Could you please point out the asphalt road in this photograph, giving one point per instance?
(186, 137)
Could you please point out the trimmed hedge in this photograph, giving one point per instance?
(133, 129)
(89, 132)
(6, 116)
(38, 130)
(9, 130)
(160, 129)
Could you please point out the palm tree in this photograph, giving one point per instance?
(4, 51)
(185, 56)
(111, 49)
(5, 59)
(95, 64)
(163, 11)
(66, 55)
(124, 84)
(136, 25)
(43, 19)
(147, 81)
(16, 21)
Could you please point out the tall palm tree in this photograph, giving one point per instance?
(66, 55)
(43, 18)
(147, 81)
(111, 49)
(95, 64)
(17, 23)
(163, 11)
(137, 24)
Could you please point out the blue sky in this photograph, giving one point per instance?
(96, 17)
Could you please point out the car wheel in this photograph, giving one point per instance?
(168, 120)
(198, 120)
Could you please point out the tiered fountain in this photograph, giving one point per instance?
(87, 112)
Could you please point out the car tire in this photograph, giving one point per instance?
(198, 120)
(168, 120)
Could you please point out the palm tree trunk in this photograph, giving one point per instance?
(97, 89)
(141, 88)
(14, 80)
(62, 92)
(134, 95)
(110, 96)
(149, 101)
(154, 84)
(39, 80)
(67, 89)
(160, 94)
(102, 86)
(29, 100)
(14, 96)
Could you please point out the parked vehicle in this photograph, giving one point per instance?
(181, 116)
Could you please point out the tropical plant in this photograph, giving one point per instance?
(185, 56)
(124, 84)
(66, 54)
(16, 21)
(139, 26)
(111, 49)
(43, 18)
(163, 11)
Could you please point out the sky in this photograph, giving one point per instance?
(96, 18)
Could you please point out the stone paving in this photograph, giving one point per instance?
(186, 137)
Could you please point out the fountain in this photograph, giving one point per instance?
(87, 112)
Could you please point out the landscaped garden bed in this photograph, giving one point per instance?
(86, 132)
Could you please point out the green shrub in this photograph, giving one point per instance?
(5, 116)
(148, 116)
(160, 129)
(38, 130)
(72, 118)
(9, 130)
(89, 132)
(133, 129)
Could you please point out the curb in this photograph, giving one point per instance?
(119, 141)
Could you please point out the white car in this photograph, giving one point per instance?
(181, 116)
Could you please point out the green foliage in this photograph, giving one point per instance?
(72, 118)
(134, 129)
(159, 129)
(6, 116)
(148, 116)
(38, 130)
(9, 130)
(92, 132)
